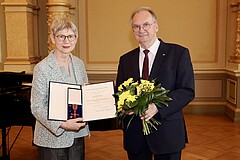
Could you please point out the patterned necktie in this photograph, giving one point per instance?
(145, 70)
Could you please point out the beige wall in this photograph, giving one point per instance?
(200, 26)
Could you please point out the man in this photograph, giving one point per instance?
(169, 64)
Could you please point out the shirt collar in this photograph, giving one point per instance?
(153, 49)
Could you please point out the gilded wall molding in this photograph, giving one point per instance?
(55, 11)
(231, 94)
(51, 4)
(51, 16)
(235, 58)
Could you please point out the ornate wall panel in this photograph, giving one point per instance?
(210, 90)
(232, 96)
(107, 34)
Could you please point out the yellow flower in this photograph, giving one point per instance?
(126, 96)
(121, 102)
(120, 88)
(120, 106)
(125, 83)
(145, 86)
(131, 98)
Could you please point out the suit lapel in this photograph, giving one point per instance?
(159, 60)
(135, 64)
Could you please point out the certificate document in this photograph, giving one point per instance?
(91, 102)
(98, 101)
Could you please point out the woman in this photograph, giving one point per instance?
(58, 140)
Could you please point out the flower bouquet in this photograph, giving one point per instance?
(136, 96)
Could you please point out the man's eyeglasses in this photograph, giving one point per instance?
(70, 37)
(145, 26)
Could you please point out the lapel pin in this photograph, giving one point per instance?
(163, 54)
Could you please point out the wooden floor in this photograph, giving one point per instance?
(210, 138)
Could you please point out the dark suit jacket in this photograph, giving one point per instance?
(172, 67)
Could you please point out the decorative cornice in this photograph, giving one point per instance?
(58, 4)
(20, 4)
(21, 60)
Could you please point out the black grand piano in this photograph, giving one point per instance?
(14, 106)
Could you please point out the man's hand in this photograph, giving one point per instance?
(129, 112)
(150, 112)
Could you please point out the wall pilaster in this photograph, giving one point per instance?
(21, 25)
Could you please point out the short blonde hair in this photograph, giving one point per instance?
(63, 23)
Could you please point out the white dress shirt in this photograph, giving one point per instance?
(151, 56)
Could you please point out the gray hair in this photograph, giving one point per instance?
(144, 9)
(63, 23)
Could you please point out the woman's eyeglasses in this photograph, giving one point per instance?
(70, 37)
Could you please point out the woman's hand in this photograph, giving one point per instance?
(73, 124)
